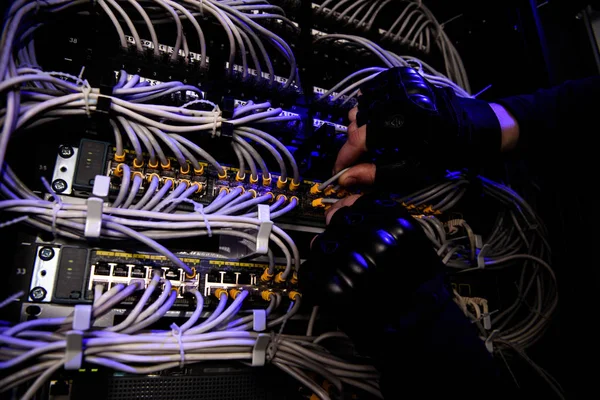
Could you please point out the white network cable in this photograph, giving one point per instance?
(39, 345)
(518, 240)
(345, 90)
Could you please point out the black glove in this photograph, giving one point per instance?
(373, 252)
(416, 127)
(376, 273)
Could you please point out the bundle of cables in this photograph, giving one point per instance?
(33, 351)
(415, 26)
(245, 35)
(146, 219)
(517, 242)
(348, 88)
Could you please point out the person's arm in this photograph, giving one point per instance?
(435, 129)
(549, 116)
(509, 126)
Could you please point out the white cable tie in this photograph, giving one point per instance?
(57, 205)
(259, 320)
(86, 89)
(95, 207)
(82, 317)
(14, 221)
(176, 331)
(259, 351)
(217, 112)
(199, 208)
(80, 76)
(202, 8)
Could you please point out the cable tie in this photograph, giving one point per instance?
(57, 205)
(86, 89)
(202, 8)
(199, 208)
(80, 76)
(259, 351)
(259, 320)
(95, 207)
(217, 113)
(82, 317)
(176, 331)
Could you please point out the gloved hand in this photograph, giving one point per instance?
(373, 252)
(411, 127)
(376, 273)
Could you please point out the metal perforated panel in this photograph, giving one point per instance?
(231, 387)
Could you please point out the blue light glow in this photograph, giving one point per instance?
(404, 223)
(360, 260)
(386, 237)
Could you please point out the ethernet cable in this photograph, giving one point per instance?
(281, 46)
(389, 60)
(118, 230)
(160, 350)
(348, 78)
(150, 27)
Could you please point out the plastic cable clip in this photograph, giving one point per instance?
(95, 206)
(259, 352)
(481, 258)
(259, 320)
(264, 231)
(228, 106)
(74, 338)
(487, 321)
(489, 345)
(103, 104)
(226, 130)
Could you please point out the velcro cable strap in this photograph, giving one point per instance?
(103, 104)
(259, 352)
(226, 130)
(264, 231)
(82, 317)
(95, 206)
